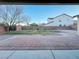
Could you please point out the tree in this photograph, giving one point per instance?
(12, 15)
(34, 26)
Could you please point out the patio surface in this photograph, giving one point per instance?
(67, 39)
(39, 54)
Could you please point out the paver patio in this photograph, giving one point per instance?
(63, 40)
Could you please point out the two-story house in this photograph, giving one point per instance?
(61, 20)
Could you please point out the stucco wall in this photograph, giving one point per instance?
(18, 28)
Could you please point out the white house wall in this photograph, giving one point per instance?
(78, 26)
(65, 20)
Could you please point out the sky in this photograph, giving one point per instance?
(40, 13)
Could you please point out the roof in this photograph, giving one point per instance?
(50, 18)
(42, 24)
(76, 16)
(61, 15)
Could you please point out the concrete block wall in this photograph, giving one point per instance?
(18, 28)
(2, 29)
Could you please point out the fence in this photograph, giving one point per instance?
(47, 28)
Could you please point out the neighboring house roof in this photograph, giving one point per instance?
(76, 16)
(61, 15)
(50, 18)
(22, 24)
(42, 24)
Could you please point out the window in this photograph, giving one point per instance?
(64, 25)
(60, 25)
(59, 20)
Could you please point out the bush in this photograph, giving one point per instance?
(33, 24)
(12, 28)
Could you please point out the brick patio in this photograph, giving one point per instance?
(63, 40)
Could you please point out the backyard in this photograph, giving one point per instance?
(39, 31)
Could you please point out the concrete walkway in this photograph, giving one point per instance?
(40, 54)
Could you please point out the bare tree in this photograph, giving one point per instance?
(12, 14)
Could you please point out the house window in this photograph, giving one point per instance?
(64, 25)
(60, 25)
(59, 20)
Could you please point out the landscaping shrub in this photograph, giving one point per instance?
(12, 28)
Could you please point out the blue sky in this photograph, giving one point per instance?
(40, 13)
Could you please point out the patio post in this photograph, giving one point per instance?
(77, 23)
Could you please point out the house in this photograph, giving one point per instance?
(61, 20)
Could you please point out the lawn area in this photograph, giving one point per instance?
(31, 32)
